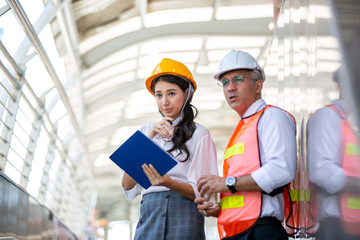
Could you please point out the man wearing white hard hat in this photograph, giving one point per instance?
(259, 160)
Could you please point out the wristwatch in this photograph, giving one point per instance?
(230, 183)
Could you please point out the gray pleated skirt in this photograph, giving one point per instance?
(169, 216)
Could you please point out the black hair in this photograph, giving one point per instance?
(186, 128)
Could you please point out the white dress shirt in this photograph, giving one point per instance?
(202, 161)
(324, 158)
(277, 145)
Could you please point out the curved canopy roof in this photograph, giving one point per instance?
(118, 43)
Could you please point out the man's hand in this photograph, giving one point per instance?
(210, 184)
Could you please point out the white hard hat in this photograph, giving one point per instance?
(236, 60)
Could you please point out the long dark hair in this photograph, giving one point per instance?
(186, 128)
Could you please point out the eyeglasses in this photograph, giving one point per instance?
(236, 79)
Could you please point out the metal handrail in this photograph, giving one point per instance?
(10, 77)
(10, 59)
(30, 32)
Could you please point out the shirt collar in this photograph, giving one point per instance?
(255, 107)
(341, 105)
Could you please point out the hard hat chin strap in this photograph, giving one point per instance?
(178, 120)
(190, 92)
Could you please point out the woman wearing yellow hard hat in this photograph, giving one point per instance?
(170, 67)
(167, 208)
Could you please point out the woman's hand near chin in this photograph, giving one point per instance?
(162, 127)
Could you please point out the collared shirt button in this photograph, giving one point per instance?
(163, 214)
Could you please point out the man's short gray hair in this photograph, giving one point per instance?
(255, 75)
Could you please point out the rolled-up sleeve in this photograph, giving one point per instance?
(277, 145)
(132, 193)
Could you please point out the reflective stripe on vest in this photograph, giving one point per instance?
(237, 149)
(232, 202)
(353, 203)
(352, 149)
(300, 195)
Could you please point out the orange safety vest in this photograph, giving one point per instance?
(350, 162)
(240, 211)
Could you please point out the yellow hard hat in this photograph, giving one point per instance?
(169, 67)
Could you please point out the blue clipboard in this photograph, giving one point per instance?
(136, 151)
